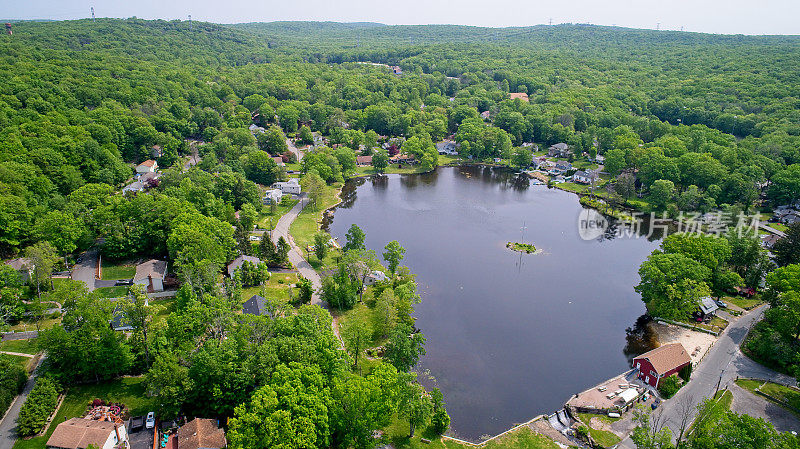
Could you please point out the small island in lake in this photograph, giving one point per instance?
(521, 247)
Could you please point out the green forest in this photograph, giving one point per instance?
(691, 122)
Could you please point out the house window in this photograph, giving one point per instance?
(653, 373)
(647, 379)
(637, 365)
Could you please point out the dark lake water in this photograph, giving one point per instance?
(508, 336)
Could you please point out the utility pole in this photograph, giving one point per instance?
(551, 21)
(523, 228)
(92, 13)
(658, 26)
(190, 22)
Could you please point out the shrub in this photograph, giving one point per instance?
(669, 386)
(38, 407)
(12, 380)
(686, 372)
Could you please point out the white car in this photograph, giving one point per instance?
(150, 422)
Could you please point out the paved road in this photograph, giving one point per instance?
(293, 148)
(8, 434)
(723, 363)
(85, 269)
(772, 230)
(19, 335)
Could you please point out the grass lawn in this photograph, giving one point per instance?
(522, 438)
(587, 418)
(164, 307)
(743, 302)
(122, 270)
(276, 287)
(602, 437)
(22, 361)
(129, 391)
(779, 226)
(25, 325)
(788, 395)
(112, 292)
(307, 222)
(263, 220)
(21, 346)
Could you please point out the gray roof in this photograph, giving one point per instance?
(239, 261)
(560, 146)
(157, 269)
(256, 305)
(707, 305)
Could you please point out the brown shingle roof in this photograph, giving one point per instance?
(667, 357)
(19, 264)
(154, 268)
(79, 433)
(148, 163)
(201, 433)
(520, 95)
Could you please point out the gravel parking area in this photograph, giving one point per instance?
(757, 406)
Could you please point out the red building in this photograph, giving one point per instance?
(661, 362)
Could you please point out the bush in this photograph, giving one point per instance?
(686, 372)
(12, 380)
(38, 407)
(440, 421)
(669, 386)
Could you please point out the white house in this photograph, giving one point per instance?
(79, 433)
(447, 147)
(151, 275)
(291, 186)
(273, 196)
(147, 166)
(135, 186)
(584, 177)
(375, 276)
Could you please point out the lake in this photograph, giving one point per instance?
(509, 336)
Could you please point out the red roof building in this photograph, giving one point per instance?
(661, 362)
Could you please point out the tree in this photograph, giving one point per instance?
(62, 229)
(440, 421)
(625, 186)
(380, 161)
(615, 162)
(305, 135)
(169, 381)
(282, 251)
(362, 405)
(356, 338)
(650, 432)
(404, 347)
(393, 255)
(340, 290)
(785, 185)
(661, 193)
(43, 257)
(787, 249)
(291, 411)
(413, 402)
(662, 271)
(355, 238)
(306, 290)
(522, 157)
(384, 314)
(260, 168)
(321, 240)
(314, 187)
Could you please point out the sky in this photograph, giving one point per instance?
(709, 16)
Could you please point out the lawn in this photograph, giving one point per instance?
(117, 291)
(587, 418)
(164, 307)
(26, 325)
(743, 302)
(24, 362)
(129, 391)
(779, 226)
(602, 437)
(114, 271)
(21, 346)
(308, 221)
(268, 219)
(522, 438)
(277, 287)
(789, 396)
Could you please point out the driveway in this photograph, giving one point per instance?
(757, 406)
(293, 148)
(86, 268)
(8, 434)
(722, 364)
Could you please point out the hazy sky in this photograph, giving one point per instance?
(712, 16)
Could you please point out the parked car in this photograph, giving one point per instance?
(124, 282)
(150, 422)
(722, 304)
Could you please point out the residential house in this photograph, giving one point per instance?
(256, 305)
(201, 433)
(664, 361)
(540, 163)
(790, 218)
(151, 275)
(273, 196)
(80, 433)
(256, 129)
(363, 161)
(119, 322)
(447, 147)
(291, 186)
(375, 276)
(486, 115)
(239, 261)
(768, 240)
(23, 266)
(156, 152)
(396, 70)
(521, 95)
(707, 306)
(559, 150)
(147, 166)
(563, 166)
(279, 161)
(402, 159)
(533, 147)
(600, 159)
(584, 177)
(135, 186)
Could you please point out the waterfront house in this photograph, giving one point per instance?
(291, 186)
(486, 115)
(664, 361)
(583, 177)
(147, 166)
(447, 147)
(80, 433)
(363, 161)
(239, 261)
(563, 166)
(375, 276)
(151, 275)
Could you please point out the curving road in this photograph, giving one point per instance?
(8, 425)
(722, 365)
